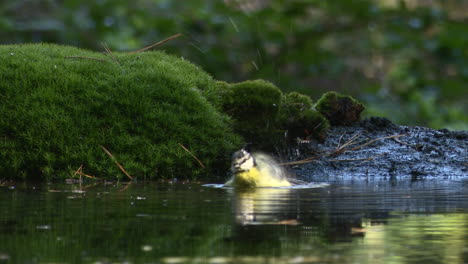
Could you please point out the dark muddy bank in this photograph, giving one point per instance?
(378, 150)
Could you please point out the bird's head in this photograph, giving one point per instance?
(242, 160)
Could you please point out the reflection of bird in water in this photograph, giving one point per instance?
(266, 206)
(252, 170)
(262, 205)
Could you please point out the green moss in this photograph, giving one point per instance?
(56, 111)
(254, 107)
(257, 100)
(295, 102)
(339, 109)
(297, 117)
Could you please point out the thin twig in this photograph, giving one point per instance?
(401, 142)
(85, 58)
(339, 140)
(378, 139)
(156, 44)
(199, 162)
(341, 149)
(126, 187)
(309, 159)
(351, 141)
(108, 51)
(362, 159)
(116, 162)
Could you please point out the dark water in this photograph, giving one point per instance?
(422, 222)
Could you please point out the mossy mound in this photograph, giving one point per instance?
(254, 106)
(57, 111)
(263, 115)
(299, 119)
(339, 109)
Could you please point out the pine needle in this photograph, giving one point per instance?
(116, 162)
(188, 151)
(85, 58)
(361, 159)
(351, 141)
(377, 139)
(80, 169)
(156, 44)
(108, 51)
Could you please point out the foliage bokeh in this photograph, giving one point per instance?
(407, 60)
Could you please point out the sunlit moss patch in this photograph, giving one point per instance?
(60, 104)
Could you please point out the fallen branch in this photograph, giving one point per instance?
(156, 44)
(116, 162)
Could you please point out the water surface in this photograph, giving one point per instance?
(419, 222)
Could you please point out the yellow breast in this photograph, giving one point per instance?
(256, 178)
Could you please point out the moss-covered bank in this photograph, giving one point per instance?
(59, 104)
(159, 116)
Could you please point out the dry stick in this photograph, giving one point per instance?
(85, 58)
(156, 44)
(116, 162)
(199, 162)
(104, 44)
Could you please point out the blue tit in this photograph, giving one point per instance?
(252, 170)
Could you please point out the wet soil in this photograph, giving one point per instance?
(375, 149)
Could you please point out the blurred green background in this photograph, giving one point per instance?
(406, 60)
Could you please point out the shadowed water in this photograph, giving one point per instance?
(419, 222)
